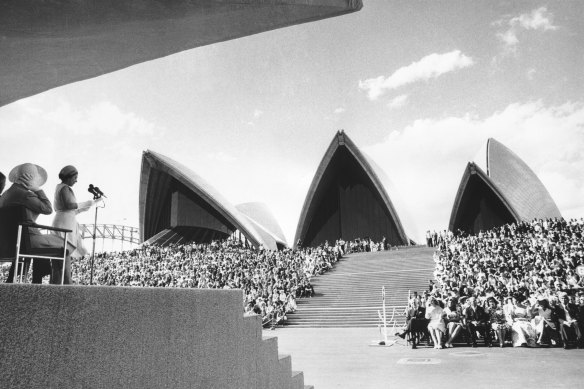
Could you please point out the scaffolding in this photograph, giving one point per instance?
(111, 232)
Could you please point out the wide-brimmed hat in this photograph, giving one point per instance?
(30, 173)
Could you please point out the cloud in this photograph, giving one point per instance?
(538, 19)
(398, 102)
(550, 139)
(257, 113)
(339, 110)
(531, 74)
(431, 66)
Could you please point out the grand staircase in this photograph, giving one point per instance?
(350, 294)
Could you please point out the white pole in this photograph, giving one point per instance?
(384, 316)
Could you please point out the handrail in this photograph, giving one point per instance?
(43, 227)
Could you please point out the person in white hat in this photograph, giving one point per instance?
(27, 180)
(66, 209)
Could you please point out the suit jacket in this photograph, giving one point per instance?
(36, 203)
(572, 311)
(475, 314)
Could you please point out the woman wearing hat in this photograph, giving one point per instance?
(26, 191)
(66, 208)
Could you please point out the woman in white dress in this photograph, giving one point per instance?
(436, 326)
(66, 209)
(522, 331)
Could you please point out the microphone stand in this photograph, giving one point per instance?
(95, 197)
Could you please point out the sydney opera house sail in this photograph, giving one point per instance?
(347, 200)
(176, 205)
(505, 191)
(46, 44)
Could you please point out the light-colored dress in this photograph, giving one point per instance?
(522, 331)
(435, 314)
(67, 207)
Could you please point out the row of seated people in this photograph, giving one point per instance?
(521, 321)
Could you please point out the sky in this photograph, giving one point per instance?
(419, 86)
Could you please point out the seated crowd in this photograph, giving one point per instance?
(514, 284)
(271, 280)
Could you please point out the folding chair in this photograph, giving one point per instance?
(15, 243)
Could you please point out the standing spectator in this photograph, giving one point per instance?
(67, 207)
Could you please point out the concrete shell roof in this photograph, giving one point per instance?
(260, 214)
(470, 170)
(342, 140)
(46, 44)
(512, 180)
(523, 189)
(154, 161)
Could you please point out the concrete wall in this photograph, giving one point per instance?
(98, 337)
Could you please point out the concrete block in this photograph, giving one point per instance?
(269, 366)
(252, 339)
(285, 371)
(297, 381)
(104, 337)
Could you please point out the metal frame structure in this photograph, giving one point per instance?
(110, 231)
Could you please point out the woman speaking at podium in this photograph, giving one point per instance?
(67, 207)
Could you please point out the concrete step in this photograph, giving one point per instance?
(350, 294)
(297, 380)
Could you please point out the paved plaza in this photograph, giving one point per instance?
(344, 358)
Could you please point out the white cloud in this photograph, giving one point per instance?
(549, 139)
(538, 19)
(398, 102)
(431, 66)
(257, 113)
(531, 74)
(339, 110)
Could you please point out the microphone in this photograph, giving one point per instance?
(95, 191)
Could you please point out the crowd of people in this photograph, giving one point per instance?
(517, 283)
(362, 245)
(271, 280)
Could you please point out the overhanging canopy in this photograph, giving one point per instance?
(46, 44)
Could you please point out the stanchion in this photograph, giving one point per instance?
(95, 197)
(384, 315)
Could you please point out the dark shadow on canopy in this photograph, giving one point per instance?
(479, 206)
(46, 44)
(347, 200)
